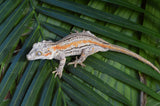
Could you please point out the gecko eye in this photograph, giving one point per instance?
(38, 53)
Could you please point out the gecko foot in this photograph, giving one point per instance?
(57, 72)
(76, 62)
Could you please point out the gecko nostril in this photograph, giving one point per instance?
(28, 57)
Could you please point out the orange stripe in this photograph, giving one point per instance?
(48, 54)
(76, 43)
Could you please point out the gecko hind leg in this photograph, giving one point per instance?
(84, 55)
(77, 61)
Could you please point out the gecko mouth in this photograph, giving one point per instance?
(29, 57)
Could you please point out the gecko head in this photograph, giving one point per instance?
(40, 50)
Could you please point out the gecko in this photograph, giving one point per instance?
(79, 43)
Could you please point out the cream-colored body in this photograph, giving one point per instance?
(84, 43)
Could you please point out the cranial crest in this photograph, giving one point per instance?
(44, 41)
(42, 44)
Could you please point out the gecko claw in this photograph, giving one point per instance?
(57, 72)
(83, 65)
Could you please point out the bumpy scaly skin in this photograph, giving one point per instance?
(84, 43)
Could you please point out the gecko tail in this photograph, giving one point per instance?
(130, 53)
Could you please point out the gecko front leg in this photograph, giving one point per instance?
(59, 70)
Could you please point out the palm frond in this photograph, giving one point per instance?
(108, 79)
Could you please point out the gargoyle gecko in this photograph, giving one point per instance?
(84, 43)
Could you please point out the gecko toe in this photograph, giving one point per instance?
(55, 75)
(75, 63)
(54, 72)
(70, 63)
(83, 65)
(57, 72)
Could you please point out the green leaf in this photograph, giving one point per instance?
(7, 7)
(57, 98)
(88, 92)
(127, 4)
(152, 102)
(121, 76)
(99, 84)
(24, 83)
(13, 37)
(5, 103)
(47, 92)
(35, 87)
(17, 65)
(133, 63)
(55, 29)
(11, 21)
(108, 78)
(76, 96)
(103, 16)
